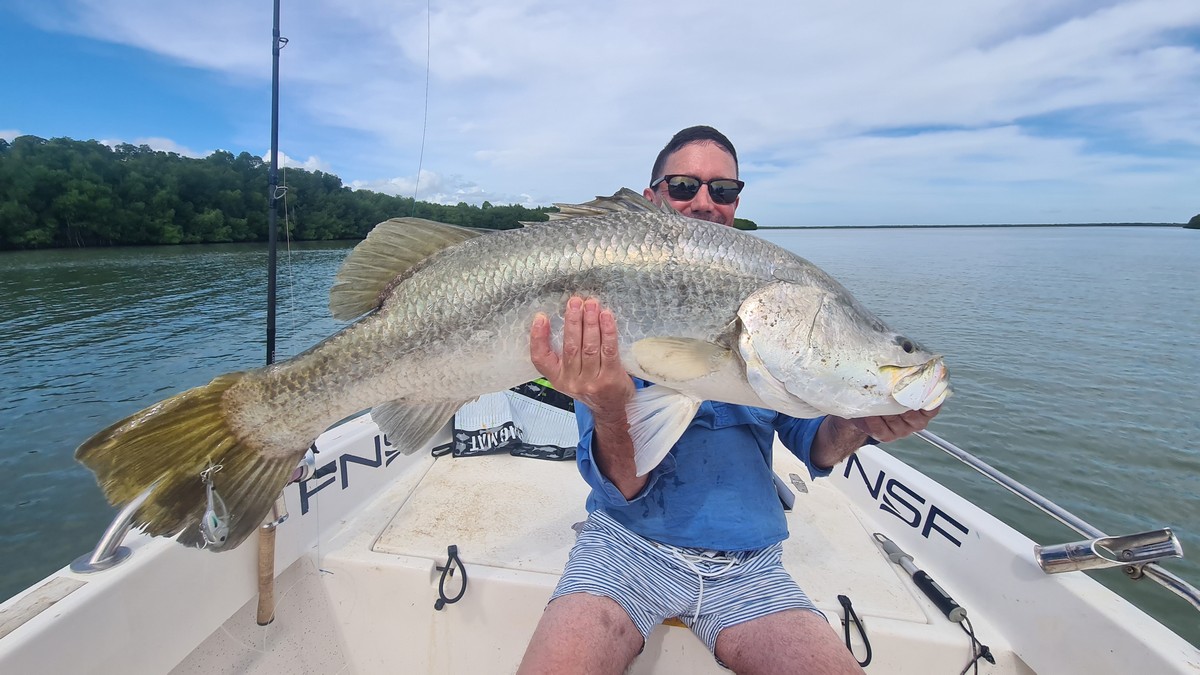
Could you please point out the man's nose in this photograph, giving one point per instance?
(702, 201)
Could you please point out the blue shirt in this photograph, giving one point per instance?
(714, 489)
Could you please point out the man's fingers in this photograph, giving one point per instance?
(540, 351)
(610, 347)
(572, 337)
(590, 342)
(892, 427)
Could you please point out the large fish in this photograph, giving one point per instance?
(705, 311)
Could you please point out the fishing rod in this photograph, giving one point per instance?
(277, 43)
(266, 533)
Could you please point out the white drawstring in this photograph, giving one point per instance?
(692, 560)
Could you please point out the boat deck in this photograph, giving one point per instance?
(358, 575)
(511, 521)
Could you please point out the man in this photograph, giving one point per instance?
(698, 537)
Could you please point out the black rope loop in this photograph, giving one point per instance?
(851, 615)
(448, 570)
(980, 650)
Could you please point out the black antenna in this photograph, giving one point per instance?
(277, 43)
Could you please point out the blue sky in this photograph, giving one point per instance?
(870, 112)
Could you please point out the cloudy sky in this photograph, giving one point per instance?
(856, 112)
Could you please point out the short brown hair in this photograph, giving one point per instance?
(697, 134)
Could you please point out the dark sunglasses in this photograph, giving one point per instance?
(684, 188)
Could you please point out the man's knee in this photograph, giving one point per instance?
(597, 613)
(582, 632)
(795, 640)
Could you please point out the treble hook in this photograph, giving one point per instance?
(214, 526)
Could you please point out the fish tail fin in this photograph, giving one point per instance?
(165, 448)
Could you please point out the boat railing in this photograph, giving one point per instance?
(1138, 554)
(109, 551)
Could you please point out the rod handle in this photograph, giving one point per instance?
(940, 598)
(266, 575)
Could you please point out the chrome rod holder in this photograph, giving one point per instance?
(278, 514)
(109, 552)
(1152, 570)
(1131, 550)
(305, 469)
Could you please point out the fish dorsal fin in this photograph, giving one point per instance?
(624, 201)
(390, 249)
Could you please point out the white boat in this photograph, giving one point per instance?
(358, 578)
(359, 574)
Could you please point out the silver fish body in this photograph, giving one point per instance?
(703, 310)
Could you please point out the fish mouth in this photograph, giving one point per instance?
(923, 387)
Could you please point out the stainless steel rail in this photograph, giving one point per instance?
(109, 552)
(1152, 570)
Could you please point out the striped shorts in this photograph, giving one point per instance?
(708, 591)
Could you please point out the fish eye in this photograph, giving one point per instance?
(907, 345)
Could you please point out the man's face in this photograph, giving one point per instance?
(704, 160)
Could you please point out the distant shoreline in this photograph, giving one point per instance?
(946, 227)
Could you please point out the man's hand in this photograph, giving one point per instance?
(838, 438)
(590, 371)
(590, 368)
(886, 428)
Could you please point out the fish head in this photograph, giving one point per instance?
(813, 348)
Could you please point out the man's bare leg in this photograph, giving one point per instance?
(793, 641)
(582, 634)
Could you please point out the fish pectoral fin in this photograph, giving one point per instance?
(409, 426)
(676, 359)
(658, 416)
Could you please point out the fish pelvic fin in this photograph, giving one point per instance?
(658, 416)
(624, 200)
(392, 249)
(165, 448)
(409, 426)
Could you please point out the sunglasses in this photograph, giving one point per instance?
(684, 188)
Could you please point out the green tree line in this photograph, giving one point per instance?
(67, 193)
(1194, 223)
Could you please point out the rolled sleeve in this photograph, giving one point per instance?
(797, 435)
(604, 491)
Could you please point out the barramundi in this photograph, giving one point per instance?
(443, 313)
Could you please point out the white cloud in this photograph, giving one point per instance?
(439, 189)
(311, 164)
(10, 134)
(161, 144)
(993, 110)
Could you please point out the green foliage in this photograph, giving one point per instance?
(745, 224)
(62, 192)
(1194, 223)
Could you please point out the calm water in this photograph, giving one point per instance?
(1073, 352)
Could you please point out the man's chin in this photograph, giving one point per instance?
(710, 217)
